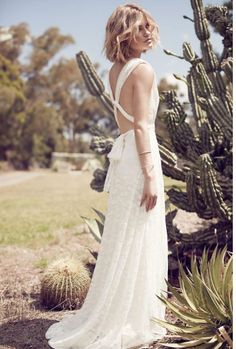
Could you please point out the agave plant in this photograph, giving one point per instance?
(95, 227)
(203, 303)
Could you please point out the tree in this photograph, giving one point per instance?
(45, 89)
(12, 106)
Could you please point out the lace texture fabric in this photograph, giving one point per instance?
(132, 262)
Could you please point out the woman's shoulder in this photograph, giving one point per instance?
(143, 70)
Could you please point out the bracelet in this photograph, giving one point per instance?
(149, 170)
(145, 152)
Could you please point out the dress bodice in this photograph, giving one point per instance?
(122, 77)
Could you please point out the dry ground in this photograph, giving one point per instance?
(23, 320)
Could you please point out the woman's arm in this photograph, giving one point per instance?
(143, 81)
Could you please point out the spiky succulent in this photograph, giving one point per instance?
(203, 303)
(64, 284)
(95, 226)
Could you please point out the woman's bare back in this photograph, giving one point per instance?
(126, 95)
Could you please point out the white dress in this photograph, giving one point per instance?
(133, 255)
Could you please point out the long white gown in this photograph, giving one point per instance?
(133, 255)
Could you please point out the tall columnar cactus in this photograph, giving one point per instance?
(93, 82)
(209, 152)
(222, 20)
(205, 154)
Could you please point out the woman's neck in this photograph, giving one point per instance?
(136, 54)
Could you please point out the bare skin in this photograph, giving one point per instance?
(134, 98)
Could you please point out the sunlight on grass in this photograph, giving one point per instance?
(31, 211)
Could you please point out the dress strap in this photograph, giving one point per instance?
(122, 77)
(124, 74)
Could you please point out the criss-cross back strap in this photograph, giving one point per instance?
(122, 77)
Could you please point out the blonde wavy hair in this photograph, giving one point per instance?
(122, 27)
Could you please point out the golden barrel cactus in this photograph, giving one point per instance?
(65, 284)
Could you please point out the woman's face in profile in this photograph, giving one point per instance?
(143, 37)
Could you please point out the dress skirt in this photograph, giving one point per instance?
(132, 262)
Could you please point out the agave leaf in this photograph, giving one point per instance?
(216, 299)
(184, 278)
(204, 298)
(206, 346)
(200, 276)
(230, 303)
(204, 276)
(169, 326)
(228, 276)
(100, 215)
(188, 288)
(212, 343)
(93, 227)
(176, 293)
(204, 265)
(182, 329)
(223, 264)
(93, 253)
(205, 329)
(100, 227)
(197, 331)
(218, 345)
(212, 284)
(183, 314)
(189, 300)
(202, 307)
(215, 278)
(204, 260)
(206, 303)
(200, 280)
(217, 269)
(211, 280)
(215, 308)
(195, 343)
(170, 345)
(210, 334)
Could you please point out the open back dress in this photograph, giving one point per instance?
(132, 262)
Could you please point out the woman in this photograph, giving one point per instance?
(131, 267)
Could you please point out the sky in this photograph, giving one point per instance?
(86, 21)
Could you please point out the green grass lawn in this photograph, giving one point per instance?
(31, 211)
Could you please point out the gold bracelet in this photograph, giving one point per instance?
(147, 151)
(149, 170)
